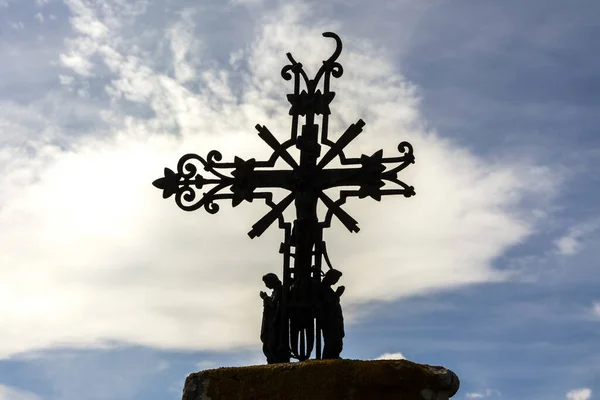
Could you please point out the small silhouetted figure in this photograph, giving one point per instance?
(270, 333)
(331, 319)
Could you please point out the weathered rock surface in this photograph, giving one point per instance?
(324, 380)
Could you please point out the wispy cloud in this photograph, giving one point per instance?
(184, 45)
(482, 395)
(117, 372)
(571, 243)
(17, 25)
(11, 393)
(206, 364)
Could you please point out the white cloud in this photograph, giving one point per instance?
(87, 24)
(17, 25)
(89, 244)
(39, 17)
(571, 243)
(77, 62)
(247, 2)
(567, 245)
(596, 308)
(206, 364)
(184, 45)
(66, 79)
(11, 393)
(391, 356)
(163, 365)
(579, 394)
(482, 395)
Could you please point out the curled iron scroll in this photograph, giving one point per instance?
(330, 65)
(408, 158)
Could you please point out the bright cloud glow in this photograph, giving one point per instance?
(391, 356)
(579, 394)
(94, 255)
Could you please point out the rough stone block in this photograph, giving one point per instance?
(324, 380)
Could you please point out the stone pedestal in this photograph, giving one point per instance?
(324, 380)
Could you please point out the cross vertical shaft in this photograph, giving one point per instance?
(306, 234)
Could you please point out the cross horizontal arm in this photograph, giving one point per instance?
(330, 178)
(283, 179)
(370, 179)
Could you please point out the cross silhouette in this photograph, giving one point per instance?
(306, 182)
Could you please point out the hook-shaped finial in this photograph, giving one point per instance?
(338, 46)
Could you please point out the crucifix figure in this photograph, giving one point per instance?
(304, 306)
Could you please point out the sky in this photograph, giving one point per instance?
(107, 291)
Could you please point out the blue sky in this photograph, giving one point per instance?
(109, 292)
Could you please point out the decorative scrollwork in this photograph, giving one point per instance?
(184, 183)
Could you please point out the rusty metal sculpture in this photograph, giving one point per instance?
(303, 307)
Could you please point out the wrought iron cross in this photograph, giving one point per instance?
(302, 306)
